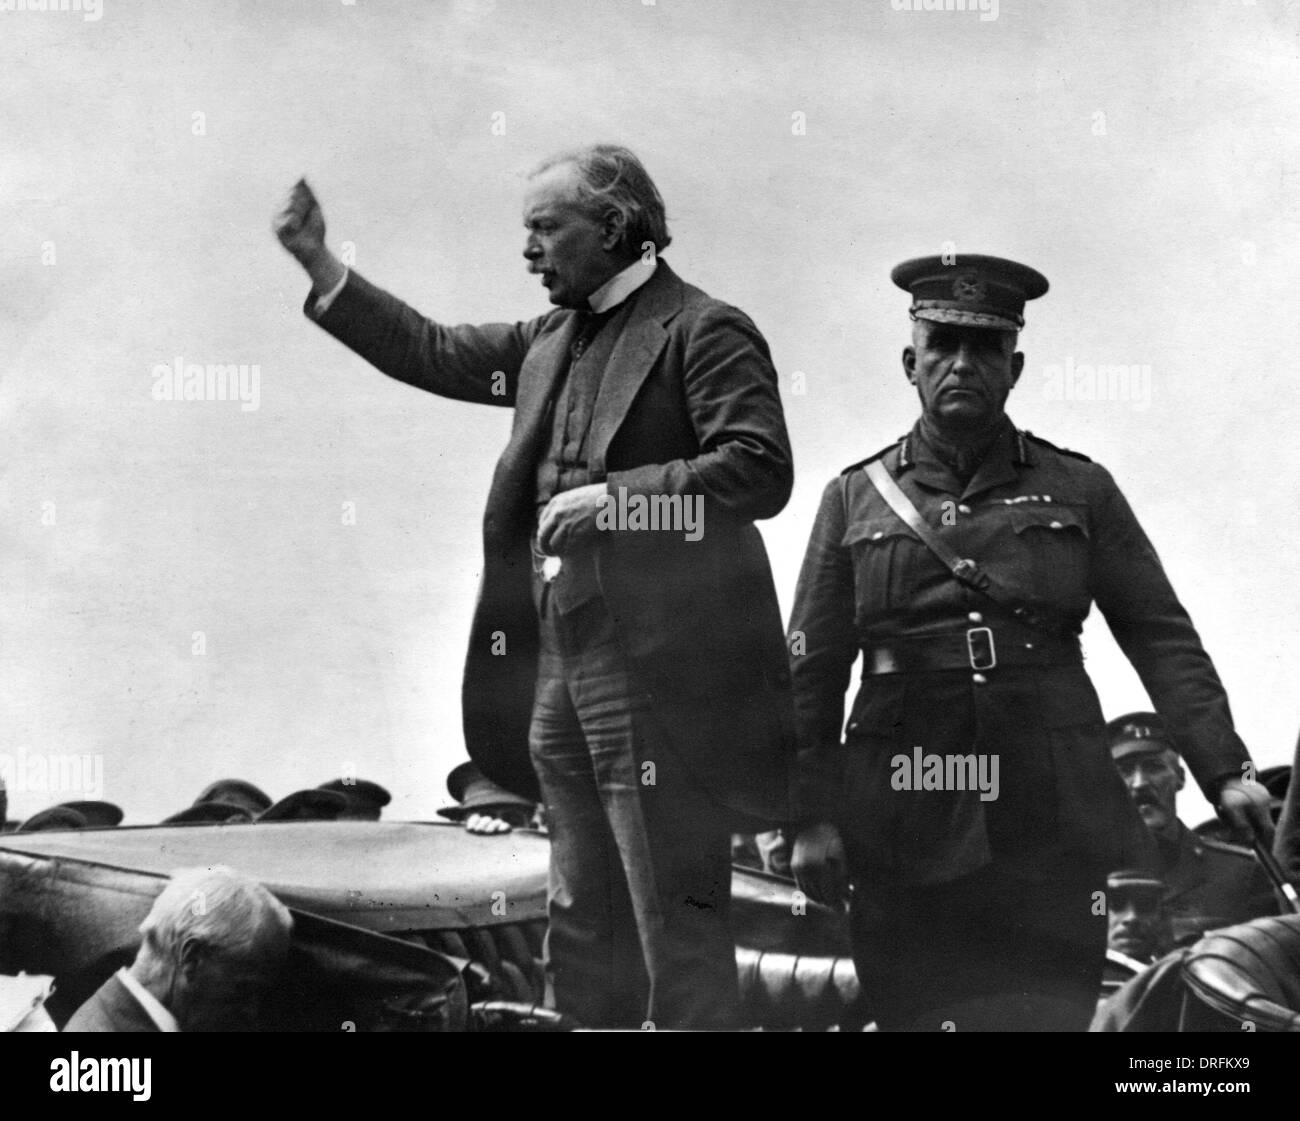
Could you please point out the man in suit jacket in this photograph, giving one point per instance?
(122, 1004)
(212, 943)
(626, 648)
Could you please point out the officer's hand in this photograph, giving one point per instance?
(819, 866)
(1244, 806)
(568, 518)
(486, 823)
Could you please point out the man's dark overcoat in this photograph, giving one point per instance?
(689, 405)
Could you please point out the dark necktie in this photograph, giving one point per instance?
(589, 325)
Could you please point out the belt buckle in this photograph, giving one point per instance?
(981, 651)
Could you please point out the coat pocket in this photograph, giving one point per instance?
(884, 552)
(1054, 542)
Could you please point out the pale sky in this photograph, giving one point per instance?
(1143, 156)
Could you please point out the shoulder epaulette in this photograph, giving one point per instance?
(872, 458)
(1049, 444)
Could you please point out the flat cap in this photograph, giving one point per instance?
(307, 805)
(1138, 733)
(969, 290)
(98, 814)
(365, 798)
(53, 818)
(475, 791)
(236, 791)
(210, 812)
(1133, 882)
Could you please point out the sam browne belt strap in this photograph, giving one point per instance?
(964, 569)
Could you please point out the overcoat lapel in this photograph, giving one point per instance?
(634, 355)
(539, 377)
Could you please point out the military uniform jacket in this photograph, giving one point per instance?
(1210, 884)
(1052, 527)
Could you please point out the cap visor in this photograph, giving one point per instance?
(962, 318)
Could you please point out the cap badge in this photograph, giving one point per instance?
(969, 287)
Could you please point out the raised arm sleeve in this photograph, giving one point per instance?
(479, 364)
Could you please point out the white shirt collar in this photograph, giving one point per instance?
(622, 284)
(150, 1003)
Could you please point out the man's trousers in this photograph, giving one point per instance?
(640, 874)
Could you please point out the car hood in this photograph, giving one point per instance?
(386, 876)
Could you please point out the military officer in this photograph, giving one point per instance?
(1208, 883)
(970, 802)
(1137, 927)
(1137, 924)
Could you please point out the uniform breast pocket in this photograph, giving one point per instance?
(1053, 540)
(884, 555)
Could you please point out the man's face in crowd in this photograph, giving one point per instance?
(1137, 925)
(216, 991)
(963, 374)
(571, 251)
(1154, 780)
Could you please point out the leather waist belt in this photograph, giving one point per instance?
(978, 648)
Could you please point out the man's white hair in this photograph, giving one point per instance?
(224, 912)
(611, 177)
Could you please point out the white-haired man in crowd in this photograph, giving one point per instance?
(213, 943)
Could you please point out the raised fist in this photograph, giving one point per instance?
(300, 226)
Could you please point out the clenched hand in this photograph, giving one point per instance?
(568, 518)
(300, 227)
(1245, 807)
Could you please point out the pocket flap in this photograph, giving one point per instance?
(876, 530)
(1055, 519)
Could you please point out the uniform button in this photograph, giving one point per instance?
(979, 679)
(878, 535)
(975, 617)
(963, 509)
(1056, 525)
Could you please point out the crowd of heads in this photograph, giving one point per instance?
(227, 801)
(481, 805)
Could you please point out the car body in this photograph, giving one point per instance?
(391, 917)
